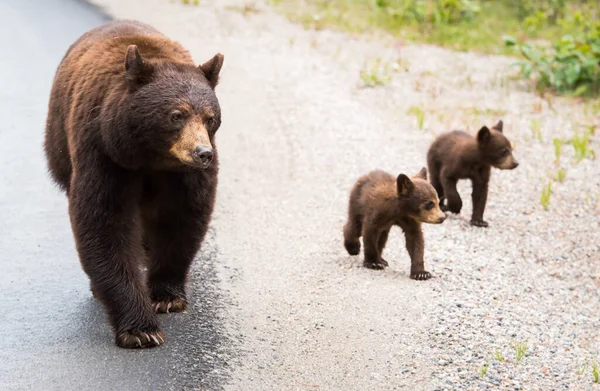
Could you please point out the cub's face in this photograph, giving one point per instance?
(175, 110)
(421, 198)
(496, 147)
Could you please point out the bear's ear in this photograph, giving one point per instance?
(483, 136)
(405, 185)
(422, 173)
(498, 126)
(211, 69)
(137, 69)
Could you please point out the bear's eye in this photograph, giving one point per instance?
(505, 153)
(211, 121)
(176, 116)
(429, 205)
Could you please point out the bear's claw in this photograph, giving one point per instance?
(378, 265)
(173, 304)
(420, 276)
(136, 339)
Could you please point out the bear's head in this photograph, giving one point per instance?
(495, 147)
(172, 112)
(419, 198)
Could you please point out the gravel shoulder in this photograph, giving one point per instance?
(298, 131)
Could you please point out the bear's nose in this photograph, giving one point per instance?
(203, 155)
(515, 164)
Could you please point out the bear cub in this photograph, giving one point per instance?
(379, 201)
(458, 155)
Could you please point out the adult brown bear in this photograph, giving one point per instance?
(130, 138)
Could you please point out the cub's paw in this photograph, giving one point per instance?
(420, 276)
(353, 248)
(455, 208)
(378, 265)
(479, 223)
(170, 304)
(139, 339)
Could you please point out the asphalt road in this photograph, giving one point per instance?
(53, 334)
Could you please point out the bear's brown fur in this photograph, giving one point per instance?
(130, 138)
(379, 201)
(458, 155)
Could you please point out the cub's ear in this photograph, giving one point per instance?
(211, 69)
(483, 136)
(405, 185)
(422, 173)
(138, 71)
(498, 126)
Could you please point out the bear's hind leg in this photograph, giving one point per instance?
(352, 233)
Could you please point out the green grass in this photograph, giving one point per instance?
(498, 355)
(536, 129)
(376, 73)
(558, 143)
(521, 347)
(482, 371)
(483, 33)
(595, 371)
(581, 144)
(545, 198)
(561, 173)
(419, 114)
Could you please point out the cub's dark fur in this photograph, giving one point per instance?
(379, 201)
(130, 138)
(458, 155)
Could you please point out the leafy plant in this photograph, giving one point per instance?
(545, 198)
(570, 66)
(419, 114)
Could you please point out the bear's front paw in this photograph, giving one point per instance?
(137, 339)
(420, 276)
(170, 304)
(377, 265)
(479, 223)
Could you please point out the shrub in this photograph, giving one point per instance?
(570, 66)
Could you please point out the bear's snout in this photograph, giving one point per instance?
(203, 156)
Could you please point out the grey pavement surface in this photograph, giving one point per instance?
(53, 334)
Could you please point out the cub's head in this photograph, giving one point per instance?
(173, 112)
(420, 198)
(496, 148)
